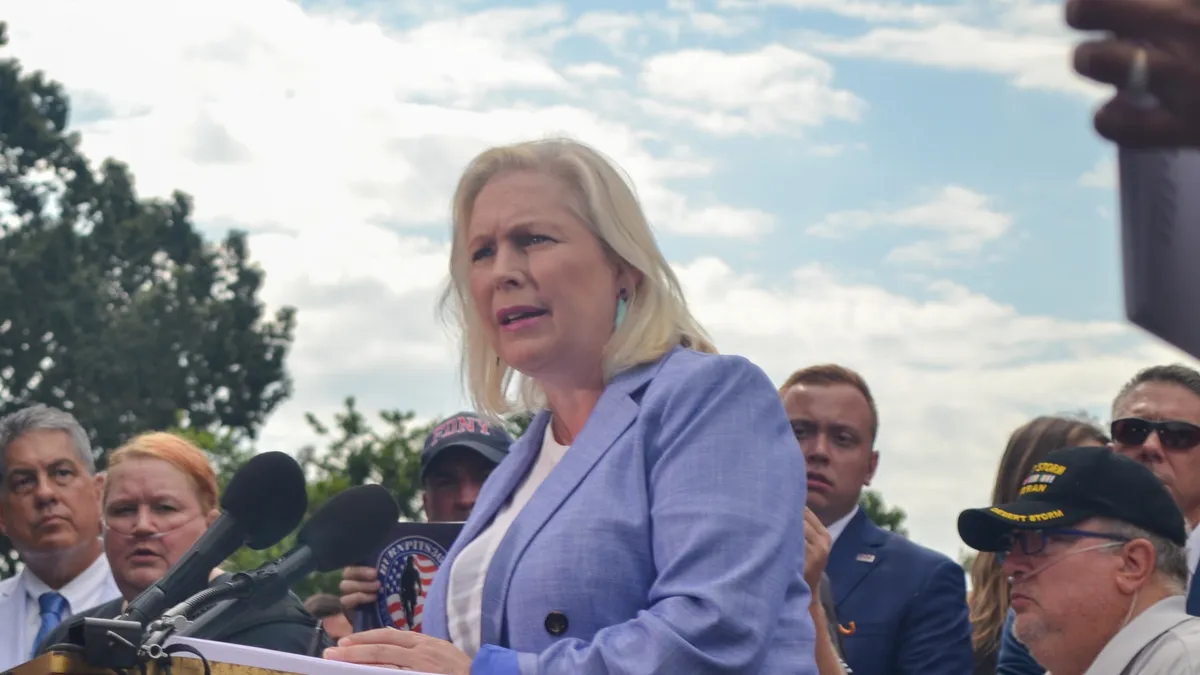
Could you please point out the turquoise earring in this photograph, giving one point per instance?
(622, 308)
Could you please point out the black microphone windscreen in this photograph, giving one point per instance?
(268, 497)
(349, 526)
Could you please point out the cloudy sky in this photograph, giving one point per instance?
(913, 190)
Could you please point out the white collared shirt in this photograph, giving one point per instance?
(1163, 640)
(93, 586)
(464, 598)
(838, 526)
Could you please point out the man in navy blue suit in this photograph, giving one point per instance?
(902, 608)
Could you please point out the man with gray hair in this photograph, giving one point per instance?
(1093, 547)
(1156, 422)
(50, 509)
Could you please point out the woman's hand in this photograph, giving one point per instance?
(1166, 33)
(401, 649)
(817, 544)
(359, 586)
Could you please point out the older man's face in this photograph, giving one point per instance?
(48, 501)
(1177, 468)
(1062, 588)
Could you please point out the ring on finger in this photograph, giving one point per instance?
(1139, 72)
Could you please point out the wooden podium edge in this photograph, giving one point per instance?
(70, 663)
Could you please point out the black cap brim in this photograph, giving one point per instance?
(489, 453)
(984, 529)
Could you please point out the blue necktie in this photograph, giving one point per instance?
(52, 606)
(1193, 597)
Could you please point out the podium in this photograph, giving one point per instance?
(222, 658)
(70, 663)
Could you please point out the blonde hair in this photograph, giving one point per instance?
(657, 318)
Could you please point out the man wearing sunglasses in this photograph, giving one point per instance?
(1156, 421)
(1093, 547)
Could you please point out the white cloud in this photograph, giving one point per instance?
(1103, 175)
(591, 71)
(1025, 41)
(894, 11)
(1028, 61)
(772, 90)
(273, 118)
(711, 23)
(954, 374)
(612, 29)
(963, 220)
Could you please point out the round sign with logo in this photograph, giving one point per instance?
(406, 571)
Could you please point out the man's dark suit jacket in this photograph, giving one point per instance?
(283, 627)
(901, 608)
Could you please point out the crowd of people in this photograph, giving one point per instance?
(669, 509)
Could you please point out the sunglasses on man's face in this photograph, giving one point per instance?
(1173, 434)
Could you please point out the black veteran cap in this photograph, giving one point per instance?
(1072, 485)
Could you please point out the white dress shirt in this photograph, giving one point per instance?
(94, 586)
(464, 599)
(838, 526)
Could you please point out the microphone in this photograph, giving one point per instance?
(263, 502)
(342, 532)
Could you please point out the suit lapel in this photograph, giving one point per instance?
(614, 413)
(856, 553)
(12, 615)
(503, 481)
(497, 490)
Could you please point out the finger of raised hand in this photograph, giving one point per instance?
(1148, 19)
(353, 601)
(359, 582)
(813, 524)
(1112, 61)
(1135, 126)
(360, 573)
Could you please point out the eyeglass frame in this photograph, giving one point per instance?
(1003, 553)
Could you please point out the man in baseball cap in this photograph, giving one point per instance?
(458, 456)
(1094, 549)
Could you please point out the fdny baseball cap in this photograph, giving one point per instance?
(466, 430)
(1073, 485)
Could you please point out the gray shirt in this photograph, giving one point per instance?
(1163, 640)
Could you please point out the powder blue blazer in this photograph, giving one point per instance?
(669, 539)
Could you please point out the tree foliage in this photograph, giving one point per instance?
(889, 518)
(114, 307)
(352, 450)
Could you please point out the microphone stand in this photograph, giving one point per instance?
(263, 587)
(176, 619)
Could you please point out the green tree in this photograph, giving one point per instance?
(353, 450)
(115, 307)
(518, 423)
(889, 518)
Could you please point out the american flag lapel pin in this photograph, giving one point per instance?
(866, 557)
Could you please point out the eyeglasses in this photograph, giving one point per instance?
(1034, 542)
(1173, 434)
